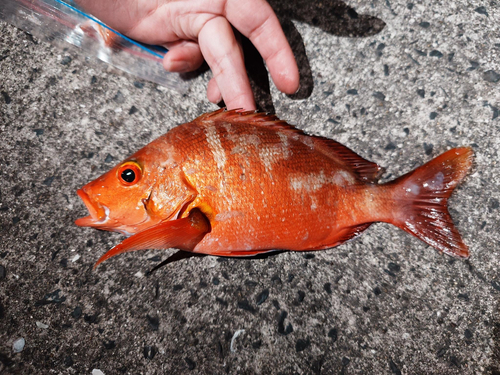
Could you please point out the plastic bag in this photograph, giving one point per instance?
(61, 22)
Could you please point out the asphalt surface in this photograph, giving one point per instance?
(397, 82)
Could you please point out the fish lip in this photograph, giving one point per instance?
(98, 212)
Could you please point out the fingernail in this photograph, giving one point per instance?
(177, 66)
(217, 100)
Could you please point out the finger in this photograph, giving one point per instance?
(224, 57)
(182, 56)
(256, 20)
(213, 92)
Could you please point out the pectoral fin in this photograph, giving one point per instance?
(183, 234)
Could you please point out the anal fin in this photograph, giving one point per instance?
(345, 235)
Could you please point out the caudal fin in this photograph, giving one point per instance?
(421, 198)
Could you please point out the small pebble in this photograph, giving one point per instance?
(300, 296)
(190, 363)
(262, 297)
(393, 266)
(379, 95)
(3, 272)
(66, 60)
(153, 322)
(481, 10)
(6, 97)
(473, 66)
(97, 372)
(328, 288)
(235, 336)
(149, 352)
(245, 305)
(41, 325)
(251, 283)
(386, 70)
(281, 324)
(119, 98)
(77, 312)
(496, 112)
(428, 147)
(18, 345)
(436, 53)
(394, 368)
(109, 344)
(433, 115)
(52, 297)
(48, 181)
(92, 319)
(301, 345)
(68, 361)
(491, 76)
(494, 203)
(390, 146)
(333, 334)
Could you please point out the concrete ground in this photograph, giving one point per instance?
(397, 81)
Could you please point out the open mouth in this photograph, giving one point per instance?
(97, 212)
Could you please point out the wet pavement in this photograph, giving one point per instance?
(397, 82)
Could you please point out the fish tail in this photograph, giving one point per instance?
(421, 198)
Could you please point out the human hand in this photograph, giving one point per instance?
(197, 30)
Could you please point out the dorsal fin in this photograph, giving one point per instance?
(253, 117)
(366, 170)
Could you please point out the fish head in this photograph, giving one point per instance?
(117, 200)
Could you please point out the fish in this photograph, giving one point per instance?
(238, 183)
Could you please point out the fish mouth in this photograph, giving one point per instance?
(98, 212)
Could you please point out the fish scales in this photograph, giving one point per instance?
(264, 187)
(240, 183)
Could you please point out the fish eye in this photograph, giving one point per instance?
(129, 173)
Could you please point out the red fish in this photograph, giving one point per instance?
(235, 183)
